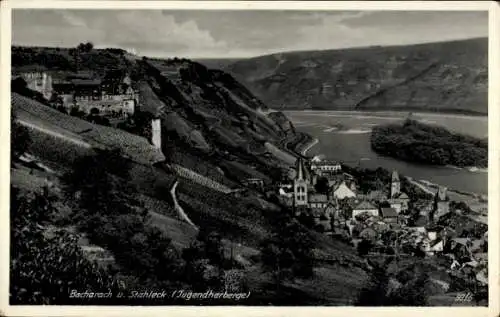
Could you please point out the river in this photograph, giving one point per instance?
(345, 136)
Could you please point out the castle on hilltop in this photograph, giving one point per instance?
(114, 94)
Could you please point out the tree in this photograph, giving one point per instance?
(411, 293)
(75, 111)
(385, 204)
(374, 293)
(88, 46)
(377, 292)
(321, 185)
(44, 269)
(62, 109)
(18, 85)
(205, 261)
(364, 246)
(85, 47)
(306, 219)
(288, 252)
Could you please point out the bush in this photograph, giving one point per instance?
(44, 269)
(412, 292)
(288, 253)
(364, 246)
(62, 109)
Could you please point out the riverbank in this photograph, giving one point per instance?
(416, 111)
(349, 148)
(309, 146)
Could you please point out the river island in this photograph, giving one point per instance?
(417, 142)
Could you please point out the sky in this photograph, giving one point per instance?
(237, 34)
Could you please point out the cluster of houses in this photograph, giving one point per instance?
(384, 219)
(114, 95)
(341, 206)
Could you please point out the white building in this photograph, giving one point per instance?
(364, 207)
(343, 191)
(40, 82)
(318, 201)
(325, 166)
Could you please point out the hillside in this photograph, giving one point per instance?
(446, 76)
(215, 134)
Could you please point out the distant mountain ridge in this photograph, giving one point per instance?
(443, 77)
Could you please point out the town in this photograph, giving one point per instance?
(388, 222)
(394, 219)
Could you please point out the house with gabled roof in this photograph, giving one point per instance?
(432, 247)
(423, 206)
(318, 200)
(399, 202)
(441, 203)
(389, 215)
(364, 207)
(341, 191)
(376, 195)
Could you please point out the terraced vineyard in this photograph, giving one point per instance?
(135, 147)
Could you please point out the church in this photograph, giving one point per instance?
(398, 200)
(306, 200)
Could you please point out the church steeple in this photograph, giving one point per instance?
(395, 184)
(300, 184)
(300, 169)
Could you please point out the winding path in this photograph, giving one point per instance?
(313, 143)
(178, 208)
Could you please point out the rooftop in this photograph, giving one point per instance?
(402, 196)
(86, 82)
(318, 198)
(462, 241)
(421, 221)
(325, 163)
(388, 212)
(422, 203)
(364, 205)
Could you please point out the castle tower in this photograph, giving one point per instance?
(46, 86)
(441, 203)
(442, 193)
(156, 133)
(395, 184)
(300, 184)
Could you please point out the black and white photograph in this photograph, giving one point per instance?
(248, 157)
